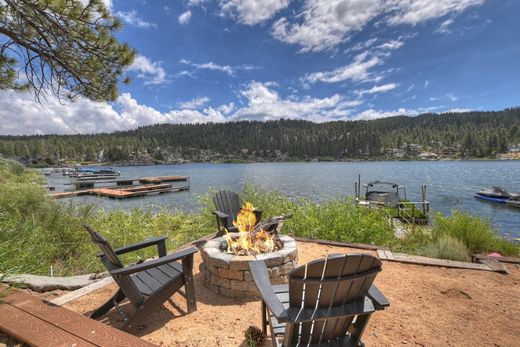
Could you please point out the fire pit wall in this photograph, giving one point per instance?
(229, 275)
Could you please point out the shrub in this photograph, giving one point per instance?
(475, 232)
(446, 247)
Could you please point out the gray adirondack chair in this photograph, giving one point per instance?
(227, 205)
(327, 302)
(149, 284)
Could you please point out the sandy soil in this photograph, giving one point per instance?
(430, 306)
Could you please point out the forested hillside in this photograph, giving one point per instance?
(474, 134)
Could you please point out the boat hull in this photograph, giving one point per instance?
(491, 199)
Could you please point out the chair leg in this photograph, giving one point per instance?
(264, 317)
(358, 328)
(189, 285)
(107, 306)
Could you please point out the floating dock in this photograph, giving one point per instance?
(125, 187)
(86, 182)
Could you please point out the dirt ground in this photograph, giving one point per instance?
(429, 306)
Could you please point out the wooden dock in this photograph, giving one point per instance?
(91, 182)
(126, 187)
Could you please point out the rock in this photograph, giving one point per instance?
(47, 283)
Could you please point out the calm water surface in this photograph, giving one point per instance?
(451, 184)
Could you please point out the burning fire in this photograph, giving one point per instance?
(249, 242)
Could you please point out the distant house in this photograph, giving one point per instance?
(428, 156)
(411, 149)
(448, 150)
(514, 148)
(514, 151)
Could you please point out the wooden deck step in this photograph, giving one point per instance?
(420, 260)
(37, 323)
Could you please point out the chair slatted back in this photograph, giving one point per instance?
(111, 262)
(229, 203)
(329, 284)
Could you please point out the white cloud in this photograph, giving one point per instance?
(358, 70)
(150, 71)
(251, 12)
(230, 70)
(133, 19)
(185, 18)
(22, 115)
(391, 45)
(452, 97)
(322, 25)
(361, 45)
(326, 23)
(195, 103)
(378, 89)
(264, 103)
(417, 11)
(196, 2)
(426, 84)
(227, 108)
(460, 110)
(444, 28)
(375, 114)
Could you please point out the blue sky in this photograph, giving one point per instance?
(205, 60)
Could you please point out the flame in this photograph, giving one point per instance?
(246, 218)
(244, 244)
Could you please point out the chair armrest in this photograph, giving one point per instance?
(128, 270)
(220, 214)
(159, 241)
(380, 301)
(261, 278)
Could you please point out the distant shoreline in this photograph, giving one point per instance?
(123, 164)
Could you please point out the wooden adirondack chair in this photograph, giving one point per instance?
(327, 302)
(149, 284)
(227, 205)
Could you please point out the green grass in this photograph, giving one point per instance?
(37, 232)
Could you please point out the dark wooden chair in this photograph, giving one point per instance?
(327, 302)
(227, 205)
(149, 284)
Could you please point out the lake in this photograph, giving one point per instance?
(450, 184)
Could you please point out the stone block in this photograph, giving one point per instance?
(249, 277)
(288, 254)
(286, 268)
(252, 294)
(242, 285)
(219, 260)
(231, 274)
(215, 289)
(285, 238)
(211, 269)
(211, 244)
(270, 259)
(219, 281)
(241, 262)
(275, 272)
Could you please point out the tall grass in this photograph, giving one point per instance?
(476, 233)
(37, 232)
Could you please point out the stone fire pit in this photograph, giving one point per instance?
(229, 275)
